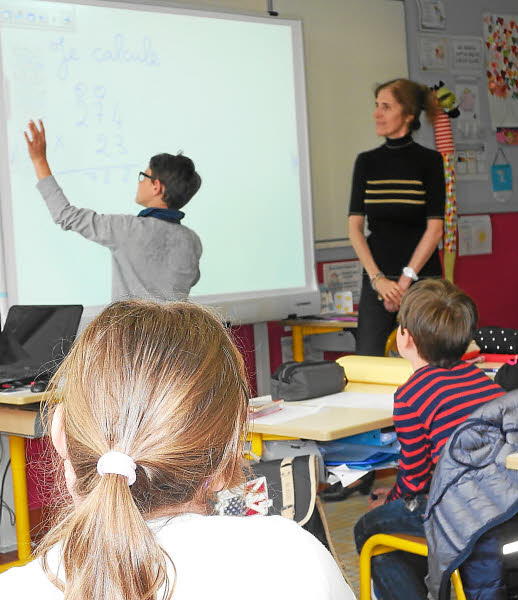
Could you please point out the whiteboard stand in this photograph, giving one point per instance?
(262, 358)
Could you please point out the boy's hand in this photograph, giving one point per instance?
(378, 497)
(37, 146)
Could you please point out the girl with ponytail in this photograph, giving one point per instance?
(399, 187)
(149, 425)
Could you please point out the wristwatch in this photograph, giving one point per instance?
(410, 273)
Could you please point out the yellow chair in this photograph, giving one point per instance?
(391, 344)
(382, 543)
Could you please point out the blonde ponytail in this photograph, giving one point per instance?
(163, 384)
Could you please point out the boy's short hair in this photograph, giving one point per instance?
(441, 319)
(179, 176)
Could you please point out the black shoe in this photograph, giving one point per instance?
(337, 492)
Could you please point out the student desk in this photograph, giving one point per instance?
(328, 424)
(20, 421)
(302, 327)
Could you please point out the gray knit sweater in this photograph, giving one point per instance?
(151, 258)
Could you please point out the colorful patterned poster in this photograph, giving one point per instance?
(501, 40)
(507, 135)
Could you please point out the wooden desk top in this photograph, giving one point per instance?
(20, 413)
(24, 421)
(337, 422)
(330, 424)
(319, 323)
(20, 397)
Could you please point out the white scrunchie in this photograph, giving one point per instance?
(117, 463)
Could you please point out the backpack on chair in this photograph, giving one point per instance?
(285, 487)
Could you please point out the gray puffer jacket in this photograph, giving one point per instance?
(472, 491)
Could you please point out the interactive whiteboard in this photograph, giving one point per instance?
(118, 83)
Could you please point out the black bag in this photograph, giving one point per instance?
(497, 340)
(292, 488)
(286, 487)
(507, 377)
(308, 379)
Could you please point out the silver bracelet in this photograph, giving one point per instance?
(378, 275)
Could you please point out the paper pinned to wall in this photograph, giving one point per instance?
(433, 53)
(475, 235)
(467, 55)
(432, 14)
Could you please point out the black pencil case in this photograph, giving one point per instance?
(307, 379)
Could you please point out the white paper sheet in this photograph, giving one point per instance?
(355, 400)
(343, 474)
(433, 53)
(432, 14)
(288, 413)
(475, 235)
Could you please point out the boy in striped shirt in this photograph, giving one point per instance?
(437, 322)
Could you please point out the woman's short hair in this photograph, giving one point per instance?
(164, 384)
(413, 97)
(441, 319)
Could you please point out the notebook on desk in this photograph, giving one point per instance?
(35, 340)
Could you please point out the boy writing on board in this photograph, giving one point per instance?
(153, 255)
(436, 323)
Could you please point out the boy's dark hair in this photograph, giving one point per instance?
(180, 179)
(441, 319)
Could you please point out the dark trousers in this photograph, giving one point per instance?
(375, 323)
(396, 574)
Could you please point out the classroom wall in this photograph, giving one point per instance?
(491, 279)
(464, 18)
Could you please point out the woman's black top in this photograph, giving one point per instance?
(398, 186)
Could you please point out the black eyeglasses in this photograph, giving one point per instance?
(142, 176)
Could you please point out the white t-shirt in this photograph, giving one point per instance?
(254, 558)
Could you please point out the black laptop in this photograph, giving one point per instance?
(35, 340)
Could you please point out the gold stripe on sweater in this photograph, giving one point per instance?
(420, 192)
(393, 201)
(382, 181)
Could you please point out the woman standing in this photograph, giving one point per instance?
(400, 188)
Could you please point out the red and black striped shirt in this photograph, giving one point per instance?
(427, 409)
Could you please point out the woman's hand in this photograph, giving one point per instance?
(390, 292)
(390, 306)
(404, 283)
(37, 146)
